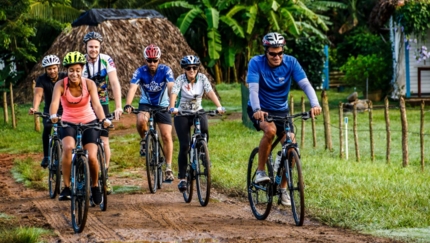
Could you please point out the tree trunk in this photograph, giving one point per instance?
(12, 106)
(217, 73)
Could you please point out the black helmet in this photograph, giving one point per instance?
(190, 60)
(273, 39)
(93, 36)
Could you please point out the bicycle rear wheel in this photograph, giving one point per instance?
(161, 167)
(260, 195)
(188, 194)
(54, 179)
(203, 172)
(80, 184)
(296, 187)
(151, 163)
(102, 176)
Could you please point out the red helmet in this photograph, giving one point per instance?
(152, 52)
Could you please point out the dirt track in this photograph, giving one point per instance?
(164, 216)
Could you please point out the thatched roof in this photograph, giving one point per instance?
(382, 12)
(124, 40)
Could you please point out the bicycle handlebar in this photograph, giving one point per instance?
(304, 115)
(150, 110)
(199, 112)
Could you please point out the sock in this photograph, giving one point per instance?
(169, 166)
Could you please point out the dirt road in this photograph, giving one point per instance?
(160, 217)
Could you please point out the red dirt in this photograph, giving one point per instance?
(164, 216)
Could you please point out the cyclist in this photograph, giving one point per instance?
(155, 81)
(101, 69)
(269, 79)
(76, 93)
(191, 86)
(44, 87)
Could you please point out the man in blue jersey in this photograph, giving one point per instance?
(155, 81)
(269, 79)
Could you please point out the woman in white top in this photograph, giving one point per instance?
(190, 86)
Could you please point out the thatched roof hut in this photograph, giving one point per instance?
(125, 34)
(382, 12)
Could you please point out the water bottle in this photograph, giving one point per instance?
(277, 162)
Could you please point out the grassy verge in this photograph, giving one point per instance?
(10, 231)
(377, 197)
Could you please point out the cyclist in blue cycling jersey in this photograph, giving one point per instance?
(269, 79)
(155, 81)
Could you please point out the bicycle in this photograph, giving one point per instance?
(102, 175)
(199, 164)
(155, 158)
(80, 178)
(54, 157)
(260, 195)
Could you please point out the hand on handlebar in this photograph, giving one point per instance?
(118, 112)
(220, 110)
(173, 110)
(128, 108)
(106, 123)
(315, 111)
(259, 115)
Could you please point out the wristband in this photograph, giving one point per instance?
(53, 116)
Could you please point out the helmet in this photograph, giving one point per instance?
(50, 60)
(273, 39)
(74, 57)
(190, 60)
(93, 36)
(152, 52)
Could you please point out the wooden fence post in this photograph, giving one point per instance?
(314, 133)
(341, 151)
(354, 128)
(302, 142)
(372, 143)
(422, 134)
(12, 105)
(291, 104)
(5, 110)
(326, 115)
(387, 128)
(404, 132)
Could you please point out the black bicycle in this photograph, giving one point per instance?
(155, 158)
(260, 195)
(54, 157)
(80, 177)
(199, 164)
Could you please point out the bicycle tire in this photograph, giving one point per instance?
(80, 185)
(260, 195)
(151, 163)
(54, 178)
(296, 186)
(101, 158)
(188, 194)
(203, 172)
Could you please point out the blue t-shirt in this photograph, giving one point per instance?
(153, 88)
(274, 83)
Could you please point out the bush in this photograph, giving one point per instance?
(370, 66)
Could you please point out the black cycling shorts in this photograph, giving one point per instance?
(162, 117)
(279, 124)
(90, 135)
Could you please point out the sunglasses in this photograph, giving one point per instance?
(191, 67)
(152, 60)
(274, 54)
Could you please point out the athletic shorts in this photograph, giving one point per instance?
(279, 124)
(162, 117)
(90, 135)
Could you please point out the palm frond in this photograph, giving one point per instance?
(235, 10)
(234, 25)
(185, 20)
(289, 23)
(252, 11)
(214, 43)
(212, 17)
(271, 17)
(181, 4)
(311, 30)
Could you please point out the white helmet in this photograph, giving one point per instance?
(50, 60)
(273, 39)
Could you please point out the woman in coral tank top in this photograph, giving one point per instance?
(75, 93)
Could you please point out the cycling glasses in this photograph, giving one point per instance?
(152, 60)
(191, 67)
(274, 54)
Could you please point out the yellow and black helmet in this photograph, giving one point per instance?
(74, 57)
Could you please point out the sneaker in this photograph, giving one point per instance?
(285, 198)
(182, 186)
(108, 187)
(44, 163)
(65, 194)
(142, 147)
(96, 195)
(261, 176)
(169, 175)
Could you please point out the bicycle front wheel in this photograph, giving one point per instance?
(102, 176)
(203, 172)
(260, 195)
(151, 163)
(80, 184)
(161, 167)
(54, 179)
(296, 187)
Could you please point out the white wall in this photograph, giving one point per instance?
(413, 66)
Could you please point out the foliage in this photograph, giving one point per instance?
(373, 67)
(22, 235)
(310, 54)
(414, 17)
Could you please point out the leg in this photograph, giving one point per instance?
(142, 123)
(182, 128)
(68, 145)
(269, 130)
(93, 163)
(107, 150)
(166, 136)
(47, 127)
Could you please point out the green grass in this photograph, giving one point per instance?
(26, 171)
(22, 235)
(369, 196)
